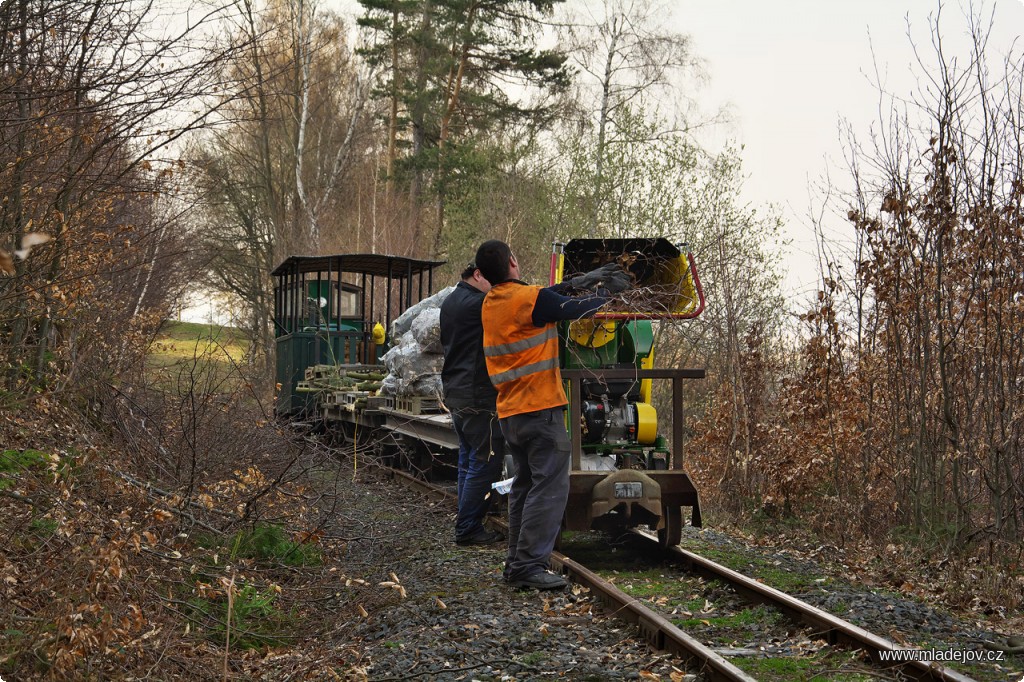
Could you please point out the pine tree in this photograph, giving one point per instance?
(457, 72)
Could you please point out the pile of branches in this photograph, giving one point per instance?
(660, 300)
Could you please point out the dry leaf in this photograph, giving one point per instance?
(362, 611)
(6, 263)
(440, 604)
(648, 675)
(34, 239)
(28, 241)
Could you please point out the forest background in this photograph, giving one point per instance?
(144, 155)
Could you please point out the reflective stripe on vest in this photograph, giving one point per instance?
(523, 344)
(522, 359)
(519, 372)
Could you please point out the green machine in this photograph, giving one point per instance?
(335, 310)
(624, 471)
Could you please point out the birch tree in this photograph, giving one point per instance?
(295, 127)
(628, 60)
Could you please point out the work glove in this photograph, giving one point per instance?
(610, 277)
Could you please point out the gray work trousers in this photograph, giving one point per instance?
(539, 445)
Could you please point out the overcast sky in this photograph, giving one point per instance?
(791, 69)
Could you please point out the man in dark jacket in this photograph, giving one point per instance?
(470, 396)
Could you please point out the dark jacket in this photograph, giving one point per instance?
(464, 374)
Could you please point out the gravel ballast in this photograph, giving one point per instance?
(449, 616)
(458, 620)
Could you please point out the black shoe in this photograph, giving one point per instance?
(481, 537)
(540, 581)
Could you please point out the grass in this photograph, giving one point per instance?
(15, 462)
(189, 332)
(806, 669)
(741, 620)
(255, 619)
(649, 584)
(779, 577)
(533, 658)
(179, 344)
(43, 527)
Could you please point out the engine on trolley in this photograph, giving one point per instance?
(626, 470)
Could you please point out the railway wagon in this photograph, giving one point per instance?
(333, 317)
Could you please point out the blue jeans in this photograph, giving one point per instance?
(481, 454)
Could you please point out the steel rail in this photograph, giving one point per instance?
(657, 630)
(661, 634)
(425, 487)
(832, 628)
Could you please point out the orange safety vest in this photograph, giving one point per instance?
(522, 359)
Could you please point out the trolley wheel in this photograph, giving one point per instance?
(672, 533)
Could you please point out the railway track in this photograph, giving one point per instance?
(660, 632)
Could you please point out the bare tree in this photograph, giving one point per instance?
(628, 58)
(92, 101)
(293, 127)
(935, 368)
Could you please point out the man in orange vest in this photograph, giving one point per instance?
(521, 351)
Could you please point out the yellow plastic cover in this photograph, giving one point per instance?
(647, 424)
(676, 274)
(591, 333)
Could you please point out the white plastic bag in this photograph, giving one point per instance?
(504, 487)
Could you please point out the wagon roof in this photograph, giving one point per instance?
(364, 263)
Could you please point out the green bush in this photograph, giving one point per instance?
(267, 543)
(255, 620)
(15, 462)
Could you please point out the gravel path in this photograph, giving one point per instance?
(459, 621)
